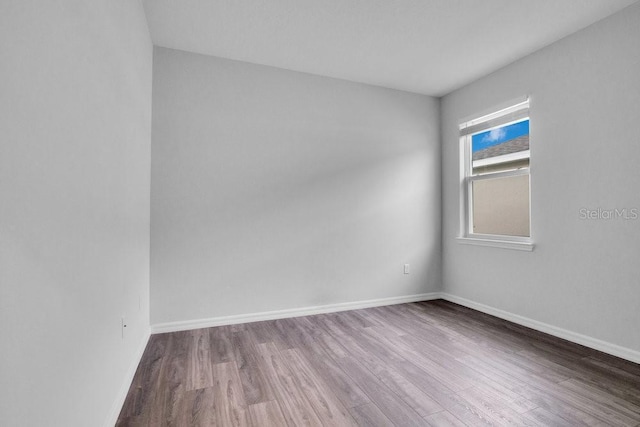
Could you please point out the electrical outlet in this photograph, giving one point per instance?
(406, 269)
(123, 324)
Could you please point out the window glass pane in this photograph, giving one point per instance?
(501, 206)
(500, 149)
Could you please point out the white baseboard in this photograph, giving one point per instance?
(596, 344)
(282, 314)
(124, 388)
(606, 347)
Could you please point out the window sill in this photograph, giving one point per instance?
(503, 244)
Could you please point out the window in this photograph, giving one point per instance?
(495, 178)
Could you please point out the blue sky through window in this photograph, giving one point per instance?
(499, 135)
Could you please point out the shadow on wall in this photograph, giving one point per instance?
(325, 231)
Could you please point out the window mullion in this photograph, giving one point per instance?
(503, 174)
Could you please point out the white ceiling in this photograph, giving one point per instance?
(425, 46)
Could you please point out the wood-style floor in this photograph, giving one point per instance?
(431, 363)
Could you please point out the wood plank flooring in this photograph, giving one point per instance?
(432, 363)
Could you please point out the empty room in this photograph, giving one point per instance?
(323, 213)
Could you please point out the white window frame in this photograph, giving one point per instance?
(515, 111)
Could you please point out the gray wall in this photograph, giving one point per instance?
(583, 274)
(75, 126)
(273, 189)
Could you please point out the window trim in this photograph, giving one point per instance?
(513, 112)
(498, 242)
